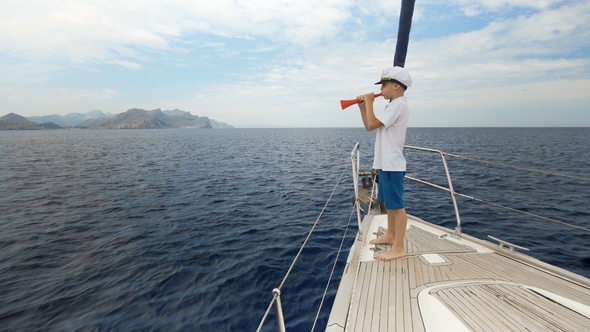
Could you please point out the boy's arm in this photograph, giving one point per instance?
(367, 114)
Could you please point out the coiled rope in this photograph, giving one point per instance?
(276, 291)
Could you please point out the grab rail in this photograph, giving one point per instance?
(450, 189)
(455, 194)
(355, 161)
(355, 157)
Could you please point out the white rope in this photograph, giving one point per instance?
(333, 268)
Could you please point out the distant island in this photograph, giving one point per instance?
(134, 118)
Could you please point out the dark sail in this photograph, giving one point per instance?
(403, 33)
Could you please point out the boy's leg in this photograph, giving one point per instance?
(391, 192)
(396, 221)
(389, 237)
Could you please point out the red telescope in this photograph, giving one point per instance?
(346, 103)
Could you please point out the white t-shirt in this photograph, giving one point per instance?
(391, 138)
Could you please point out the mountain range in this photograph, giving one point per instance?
(134, 118)
(70, 120)
(17, 122)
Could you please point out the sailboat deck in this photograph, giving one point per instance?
(484, 291)
(419, 242)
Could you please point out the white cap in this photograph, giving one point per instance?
(396, 74)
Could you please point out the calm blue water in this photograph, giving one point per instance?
(190, 230)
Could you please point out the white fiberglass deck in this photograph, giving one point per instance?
(449, 284)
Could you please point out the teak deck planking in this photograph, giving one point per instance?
(385, 297)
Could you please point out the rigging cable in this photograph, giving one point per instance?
(524, 169)
(524, 212)
(516, 167)
(499, 205)
(333, 268)
(276, 293)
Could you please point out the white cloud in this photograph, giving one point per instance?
(378, 7)
(471, 10)
(512, 62)
(129, 65)
(474, 7)
(75, 32)
(517, 95)
(552, 103)
(89, 31)
(18, 74)
(31, 102)
(518, 50)
(314, 64)
(69, 95)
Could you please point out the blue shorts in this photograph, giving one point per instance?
(391, 189)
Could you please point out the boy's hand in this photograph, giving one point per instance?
(362, 105)
(369, 97)
(367, 114)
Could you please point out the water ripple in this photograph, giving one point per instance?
(190, 230)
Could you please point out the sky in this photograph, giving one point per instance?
(277, 63)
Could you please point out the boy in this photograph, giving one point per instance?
(389, 159)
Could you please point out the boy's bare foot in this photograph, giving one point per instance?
(383, 240)
(391, 254)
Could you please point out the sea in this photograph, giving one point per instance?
(190, 230)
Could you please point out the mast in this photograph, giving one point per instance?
(403, 32)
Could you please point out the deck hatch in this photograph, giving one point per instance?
(434, 259)
(508, 307)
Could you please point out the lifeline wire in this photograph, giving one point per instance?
(516, 167)
(276, 295)
(524, 212)
(524, 169)
(333, 268)
(312, 229)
